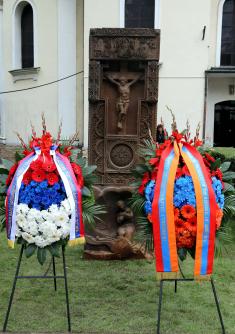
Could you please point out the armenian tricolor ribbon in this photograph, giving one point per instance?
(163, 212)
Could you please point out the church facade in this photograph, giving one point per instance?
(44, 62)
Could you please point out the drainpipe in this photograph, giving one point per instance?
(205, 106)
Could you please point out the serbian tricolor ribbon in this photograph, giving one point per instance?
(74, 195)
(163, 212)
(73, 192)
(13, 196)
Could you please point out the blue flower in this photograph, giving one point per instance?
(148, 207)
(56, 186)
(184, 192)
(218, 187)
(43, 184)
(149, 190)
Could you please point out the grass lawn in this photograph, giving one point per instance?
(118, 297)
(229, 152)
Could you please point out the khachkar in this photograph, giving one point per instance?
(123, 94)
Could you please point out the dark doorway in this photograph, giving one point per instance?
(224, 124)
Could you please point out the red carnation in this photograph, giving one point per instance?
(178, 136)
(8, 180)
(38, 175)
(35, 142)
(35, 165)
(76, 168)
(13, 169)
(27, 177)
(179, 172)
(52, 178)
(209, 157)
(49, 166)
(46, 142)
(154, 174)
(80, 181)
(145, 180)
(67, 152)
(154, 161)
(218, 174)
(197, 142)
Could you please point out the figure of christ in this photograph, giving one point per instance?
(123, 101)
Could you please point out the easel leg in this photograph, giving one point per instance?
(218, 307)
(13, 289)
(66, 290)
(159, 307)
(176, 286)
(54, 273)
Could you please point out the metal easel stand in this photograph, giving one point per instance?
(183, 279)
(54, 277)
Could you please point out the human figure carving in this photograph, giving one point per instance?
(124, 97)
(126, 227)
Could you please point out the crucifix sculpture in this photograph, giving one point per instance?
(122, 104)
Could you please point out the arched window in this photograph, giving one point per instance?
(27, 47)
(139, 13)
(24, 46)
(228, 34)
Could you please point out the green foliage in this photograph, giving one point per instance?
(30, 250)
(229, 207)
(91, 211)
(41, 255)
(223, 240)
(182, 253)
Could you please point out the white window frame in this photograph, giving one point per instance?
(2, 120)
(16, 33)
(156, 15)
(219, 32)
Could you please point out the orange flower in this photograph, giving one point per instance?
(179, 223)
(191, 228)
(150, 217)
(176, 213)
(188, 211)
(219, 216)
(186, 240)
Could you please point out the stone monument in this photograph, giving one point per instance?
(123, 94)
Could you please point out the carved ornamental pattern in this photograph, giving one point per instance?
(134, 44)
(123, 93)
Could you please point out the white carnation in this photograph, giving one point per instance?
(53, 209)
(40, 241)
(66, 205)
(65, 230)
(34, 214)
(22, 208)
(20, 219)
(43, 227)
(28, 237)
(61, 218)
